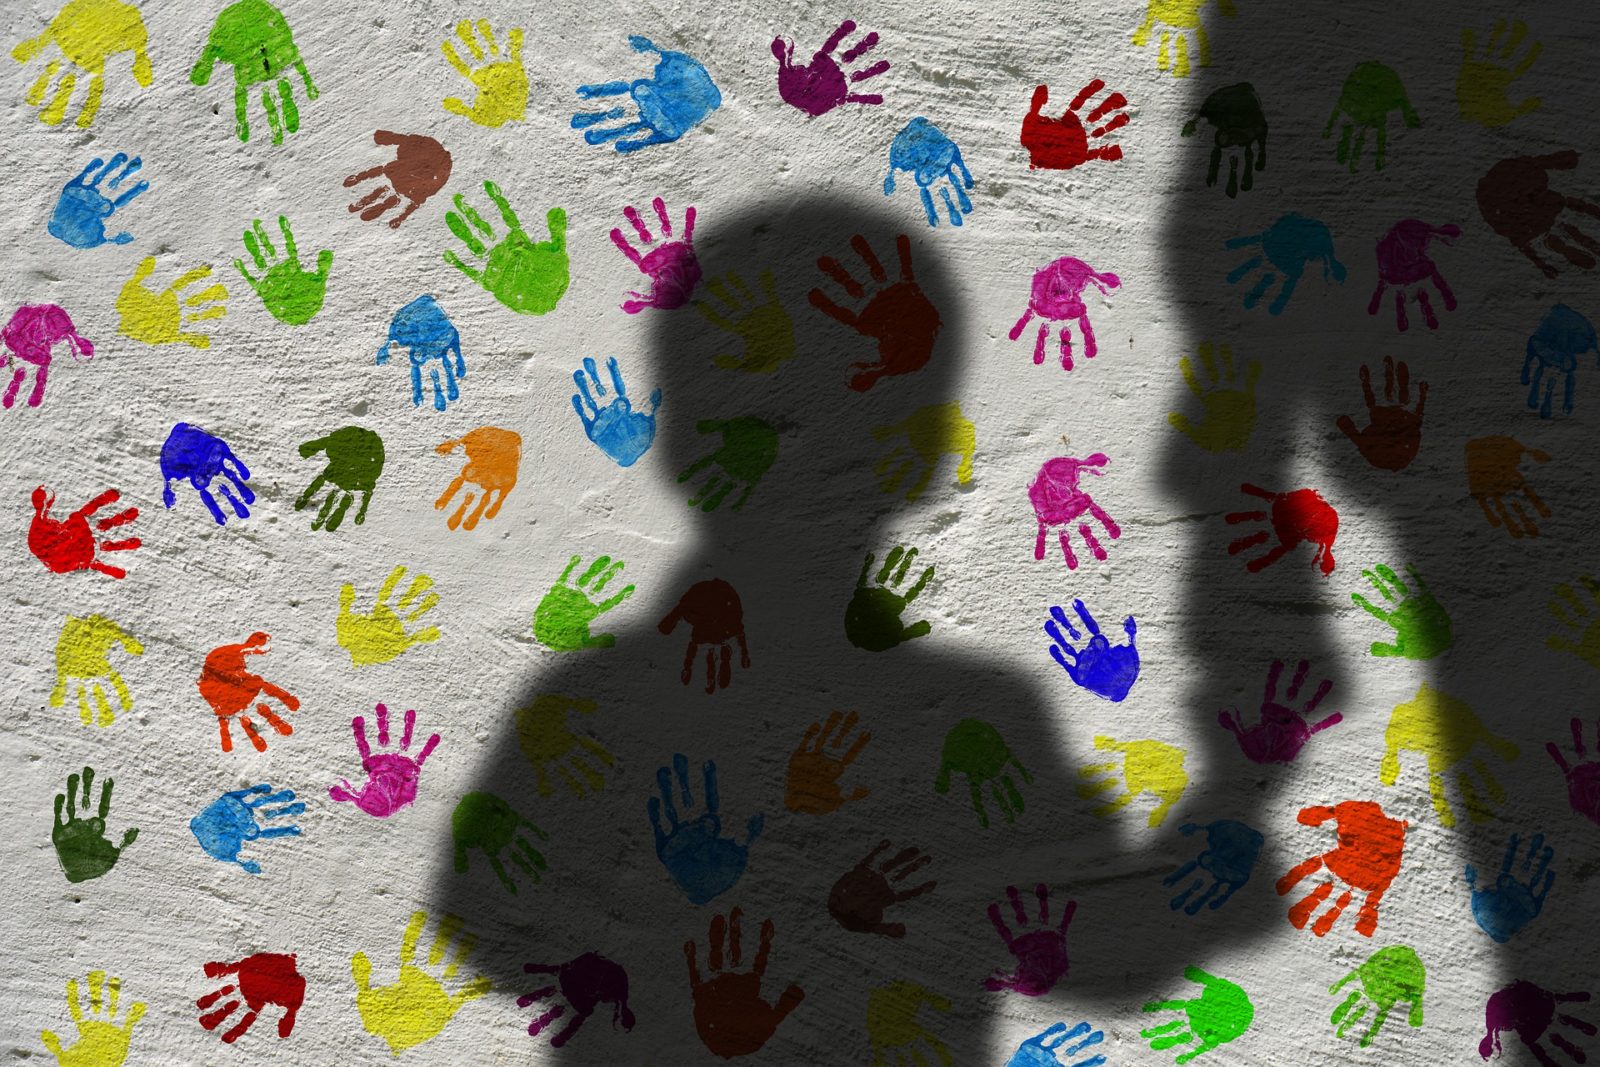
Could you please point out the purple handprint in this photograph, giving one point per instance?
(1041, 953)
(820, 86)
(584, 983)
(1282, 731)
(1057, 297)
(1583, 780)
(1528, 1009)
(672, 267)
(33, 331)
(391, 776)
(1403, 262)
(1057, 500)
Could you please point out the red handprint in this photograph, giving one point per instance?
(1063, 143)
(900, 317)
(262, 979)
(1057, 500)
(70, 545)
(1403, 262)
(716, 619)
(1366, 859)
(30, 335)
(1301, 515)
(230, 689)
(673, 268)
(1057, 296)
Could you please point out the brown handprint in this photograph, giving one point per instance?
(1517, 202)
(813, 785)
(420, 168)
(1366, 859)
(864, 892)
(899, 316)
(1393, 433)
(729, 1013)
(716, 619)
(1493, 475)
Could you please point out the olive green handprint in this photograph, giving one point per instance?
(976, 749)
(1230, 410)
(561, 621)
(355, 460)
(527, 276)
(872, 620)
(81, 843)
(763, 326)
(1370, 92)
(1390, 976)
(748, 449)
(292, 294)
(484, 821)
(253, 36)
(1219, 1014)
(931, 433)
(1421, 625)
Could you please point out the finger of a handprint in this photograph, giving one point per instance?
(408, 944)
(259, 244)
(388, 585)
(600, 563)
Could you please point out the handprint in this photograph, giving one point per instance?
(1041, 953)
(1217, 1016)
(676, 98)
(893, 1029)
(1563, 336)
(381, 635)
(230, 688)
(1046, 1048)
(561, 621)
(82, 659)
(821, 85)
(923, 150)
(1529, 1010)
(525, 275)
(898, 316)
(69, 545)
(1229, 857)
(748, 449)
(812, 787)
(1393, 433)
(417, 1007)
(426, 333)
(1391, 976)
(584, 983)
(1445, 729)
(354, 464)
(87, 33)
(1483, 83)
(1493, 473)
(1365, 858)
(484, 821)
(501, 82)
(1421, 625)
(975, 749)
(872, 619)
(420, 168)
(81, 844)
(763, 325)
(1058, 499)
(102, 1042)
(620, 432)
(1063, 143)
(290, 293)
(1282, 731)
(1517, 202)
(391, 776)
(699, 860)
(671, 266)
(493, 456)
(730, 1014)
(1403, 261)
(716, 620)
(206, 461)
(262, 979)
(931, 433)
(156, 319)
(1513, 902)
(1057, 296)
(1579, 619)
(1288, 246)
(82, 210)
(1097, 666)
(1583, 780)
(1230, 413)
(549, 743)
(237, 817)
(1296, 517)
(1152, 767)
(862, 894)
(29, 335)
(1177, 19)
(1370, 92)
(253, 36)
(1234, 111)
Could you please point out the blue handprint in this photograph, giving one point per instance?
(620, 432)
(192, 453)
(426, 332)
(677, 97)
(1563, 335)
(924, 150)
(230, 820)
(1044, 1049)
(1512, 903)
(1231, 851)
(81, 212)
(1101, 668)
(702, 862)
(1287, 246)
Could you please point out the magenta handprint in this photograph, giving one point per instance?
(30, 335)
(1403, 262)
(1041, 953)
(1058, 500)
(1283, 731)
(1583, 779)
(671, 267)
(822, 85)
(584, 983)
(1058, 297)
(1298, 516)
(391, 776)
(1527, 1010)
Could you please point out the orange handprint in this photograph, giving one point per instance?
(814, 772)
(492, 458)
(1366, 858)
(230, 689)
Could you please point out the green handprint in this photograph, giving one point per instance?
(765, 326)
(1370, 92)
(1219, 1014)
(749, 447)
(872, 619)
(253, 36)
(1230, 413)
(932, 433)
(1421, 626)
(526, 276)
(976, 749)
(355, 460)
(561, 621)
(484, 821)
(292, 295)
(1390, 975)
(81, 843)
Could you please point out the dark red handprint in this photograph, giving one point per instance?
(864, 892)
(1393, 433)
(899, 316)
(729, 1012)
(821, 85)
(1583, 780)
(1057, 500)
(69, 545)
(33, 331)
(1296, 517)
(1366, 859)
(1041, 953)
(1283, 731)
(259, 980)
(1063, 143)
(1403, 262)
(1517, 202)
(716, 620)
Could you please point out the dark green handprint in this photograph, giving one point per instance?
(1234, 111)
(749, 447)
(1421, 626)
(561, 621)
(1219, 1014)
(872, 620)
(1369, 94)
(976, 749)
(355, 460)
(1390, 976)
(526, 276)
(81, 843)
(484, 821)
(253, 36)
(292, 294)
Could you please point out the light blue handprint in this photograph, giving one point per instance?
(619, 431)
(207, 462)
(1045, 1049)
(426, 332)
(231, 820)
(677, 97)
(82, 210)
(1513, 902)
(1103, 669)
(1286, 248)
(700, 860)
(924, 150)
(1231, 851)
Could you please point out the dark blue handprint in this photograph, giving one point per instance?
(1103, 669)
(924, 150)
(1046, 1048)
(426, 332)
(192, 453)
(619, 431)
(81, 212)
(231, 820)
(703, 863)
(1513, 901)
(1231, 851)
(1563, 335)
(1286, 247)
(677, 96)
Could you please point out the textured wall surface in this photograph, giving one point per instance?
(1467, 708)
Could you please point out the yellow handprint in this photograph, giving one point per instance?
(931, 433)
(1581, 620)
(1483, 84)
(88, 32)
(101, 1042)
(1445, 729)
(156, 319)
(81, 659)
(1180, 15)
(1147, 767)
(762, 324)
(1230, 413)
(502, 84)
(417, 1007)
(548, 742)
(381, 636)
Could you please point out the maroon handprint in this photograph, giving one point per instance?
(584, 983)
(821, 85)
(716, 620)
(30, 335)
(1057, 296)
(1063, 143)
(259, 980)
(70, 545)
(1041, 953)
(1517, 202)
(1057, 500)
(864, 892)
(1393, 433)
(672, 267)
(1583, 780)
(729, 1012)
(1282, 731)
(1365, 858)
(391, 776)
(899, 316)
(1403, 262)
(1298, 516)
(1528, 1010)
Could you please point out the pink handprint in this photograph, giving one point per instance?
(1058, 296)
(1283, 731)
(1057, 500)
(1403, 262)
(1583, 778)
(391, 776)
(1301, 515)
(30, 335)
(820, 86)
(672, 267)
(1041, 953)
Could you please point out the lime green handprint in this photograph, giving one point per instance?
(976, 749)
(1217, 1016)
(526, 276)
(101, 1042)
(501, 82)
(749, 447)
(484, 821)
(1148, 767)
(1421, 625)
(763, 326)
(1390, 976)
(417, 1007)
(1370, 92)
(931, 433)
(253, 36)
(292, 294)
(562, 619)
(1230, 411)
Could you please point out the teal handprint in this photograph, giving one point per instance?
(292, 294)
(1370, 92)
(562, 619)
(253, 36)
(525, 275)
(749, 447)
(1219, 1014)
(1390, 976)
(1421, 626)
